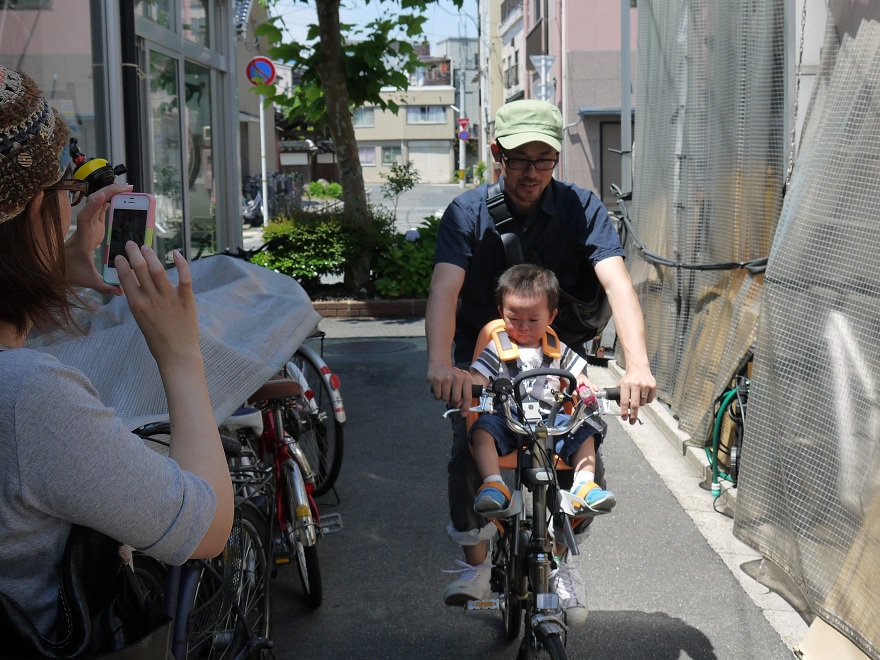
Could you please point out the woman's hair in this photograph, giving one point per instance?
(528, 281)
(33, 288)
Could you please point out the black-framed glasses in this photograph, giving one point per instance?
(76, 187)
(522, 164)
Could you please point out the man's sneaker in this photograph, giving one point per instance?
(492, 497)
(472, 585)
(568, 584)
(598, 500)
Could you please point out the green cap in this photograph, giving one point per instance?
(529, 120)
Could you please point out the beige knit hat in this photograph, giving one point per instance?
(33, 142)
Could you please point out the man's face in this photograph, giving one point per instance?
(525, 187)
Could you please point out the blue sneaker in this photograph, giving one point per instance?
(492, 497)
(598, 500)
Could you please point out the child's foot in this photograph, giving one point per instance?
(598, 500)
(492, 497)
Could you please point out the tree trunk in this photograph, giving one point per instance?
(332, 74)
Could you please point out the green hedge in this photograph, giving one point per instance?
(403, 267)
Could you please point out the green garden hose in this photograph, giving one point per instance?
(726, 398)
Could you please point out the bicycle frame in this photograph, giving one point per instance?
(287, 455)
(528, 568)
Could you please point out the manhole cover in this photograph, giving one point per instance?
(367, 347)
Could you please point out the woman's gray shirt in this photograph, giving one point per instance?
(66, 458)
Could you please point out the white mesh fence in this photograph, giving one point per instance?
(808, 496)
(709, 168)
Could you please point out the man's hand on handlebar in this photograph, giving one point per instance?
(451, 385)
(637, 388)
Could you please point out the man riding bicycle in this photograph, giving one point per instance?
(560, 224)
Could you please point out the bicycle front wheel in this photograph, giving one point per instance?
(310, 574)
(303, 541)
(550, 646)
(509, 584)
(319, 433)
(230, 610)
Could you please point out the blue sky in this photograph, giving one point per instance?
(444, 19)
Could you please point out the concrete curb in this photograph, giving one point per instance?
(400, 308)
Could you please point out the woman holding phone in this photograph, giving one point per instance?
(67, 459)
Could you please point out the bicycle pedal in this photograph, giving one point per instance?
(331, 523)
(490, 604)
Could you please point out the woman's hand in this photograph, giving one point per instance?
(79, 249)
(166, 314)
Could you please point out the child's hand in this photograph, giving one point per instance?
(586, 390)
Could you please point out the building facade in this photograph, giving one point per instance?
(423, 131)
(158, 86)
(579, 43)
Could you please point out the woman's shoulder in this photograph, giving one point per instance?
(34, 374)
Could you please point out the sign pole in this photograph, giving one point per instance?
(261, 71)
(264, 208)
(461, 143)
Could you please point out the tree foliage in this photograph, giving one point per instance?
(344, 67)
(378, 55)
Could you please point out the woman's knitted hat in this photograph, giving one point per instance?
(32, 139)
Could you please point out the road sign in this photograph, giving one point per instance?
(260, 71)
(463, 135)
(463, 122)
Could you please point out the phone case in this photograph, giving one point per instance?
(109, 270)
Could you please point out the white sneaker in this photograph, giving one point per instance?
(472, 585)
(568, 584)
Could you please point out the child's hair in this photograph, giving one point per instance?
(528, 281)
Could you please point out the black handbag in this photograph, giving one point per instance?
(102, 610)
(584, 310)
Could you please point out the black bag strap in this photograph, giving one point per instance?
(506, 226)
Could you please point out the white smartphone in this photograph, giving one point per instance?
(132, 218)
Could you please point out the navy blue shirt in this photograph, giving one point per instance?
(570, 225)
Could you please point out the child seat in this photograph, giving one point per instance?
(507, 351)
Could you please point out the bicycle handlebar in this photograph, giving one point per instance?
(608, 393)
(499, 392)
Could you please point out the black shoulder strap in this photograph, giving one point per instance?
(505, 225)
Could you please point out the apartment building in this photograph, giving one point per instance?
(423, 131)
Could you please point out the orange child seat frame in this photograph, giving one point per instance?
(508, 350)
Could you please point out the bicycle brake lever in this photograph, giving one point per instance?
(458, 410)
(485, 405)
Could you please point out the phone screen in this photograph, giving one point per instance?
(128, 225)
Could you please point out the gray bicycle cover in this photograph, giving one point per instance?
(251, 320)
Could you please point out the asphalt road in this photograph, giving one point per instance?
(415, 205)
(656, 587)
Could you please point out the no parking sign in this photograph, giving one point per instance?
(260, 71)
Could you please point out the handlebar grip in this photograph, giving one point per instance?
(611, 393)
(476, 391)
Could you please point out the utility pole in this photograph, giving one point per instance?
(462, 142)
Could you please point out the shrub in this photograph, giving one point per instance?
(403, 268)
(334, 190)
(480, 172)
(398, 180)
(317, 189)
(310, 245)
